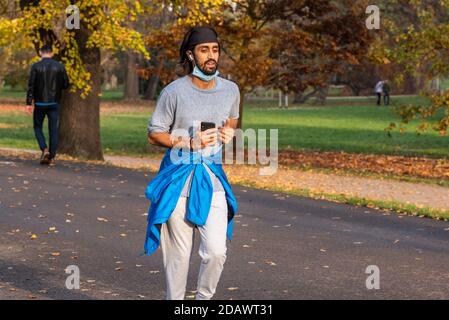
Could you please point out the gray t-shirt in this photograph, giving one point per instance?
(182, 106)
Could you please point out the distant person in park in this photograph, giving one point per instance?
(379, 90)
(191, 191)
(386, 92)
(47, 80)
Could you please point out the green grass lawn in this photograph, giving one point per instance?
(445, 84)
(351, 125)
(347, 125)
(8, 92)
(18, 93)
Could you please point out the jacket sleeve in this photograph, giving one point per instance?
(31, 84)
(65, 79)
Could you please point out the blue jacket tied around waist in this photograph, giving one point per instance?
(165, 189)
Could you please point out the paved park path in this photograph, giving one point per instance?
(421, 195)
(284, 247)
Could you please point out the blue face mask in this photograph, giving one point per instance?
(199, 74)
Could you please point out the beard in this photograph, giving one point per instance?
(207, 72)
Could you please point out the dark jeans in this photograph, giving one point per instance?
(386, 99)
(379, 98)
(52, 113)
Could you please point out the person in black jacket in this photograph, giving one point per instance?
(386, 92)
(47, 80)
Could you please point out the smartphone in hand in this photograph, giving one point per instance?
(207, 125)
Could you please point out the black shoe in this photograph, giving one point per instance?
(45, 159)
(52, 162)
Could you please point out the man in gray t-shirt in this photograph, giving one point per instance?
(199, 96)
(182, 106)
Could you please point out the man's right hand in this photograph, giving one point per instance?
(29, 109)
(205, 138)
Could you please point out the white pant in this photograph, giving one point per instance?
(177, 242)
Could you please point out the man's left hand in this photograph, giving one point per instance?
(226, 134)
(29, 109)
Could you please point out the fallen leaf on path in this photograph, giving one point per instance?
(271, 263)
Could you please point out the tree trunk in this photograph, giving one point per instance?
(410, 85)
(300, 97)
(322, 96)
(242, 98)
(79, 130)
(132, 79)
(150, 93)
(355, 90)
(239, 126)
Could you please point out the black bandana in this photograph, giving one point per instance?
(195, 36)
